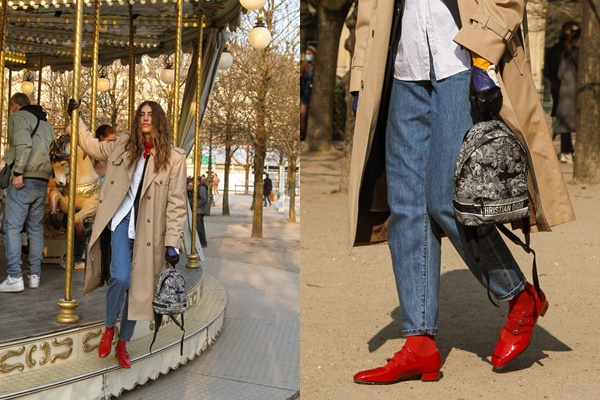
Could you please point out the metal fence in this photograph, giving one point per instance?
(241, 189)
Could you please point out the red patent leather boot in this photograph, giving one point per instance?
(523, 312)
(106, 342)
(404, 364)
(122, 355)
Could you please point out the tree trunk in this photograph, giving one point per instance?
(586, 168)
(320, 114)
(259, 165)
(260, 149)
(226, 178)
(246, 179)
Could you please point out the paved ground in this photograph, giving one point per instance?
(350, 314)
(257, 355)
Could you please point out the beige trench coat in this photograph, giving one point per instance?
(161, 216)
(491, 29)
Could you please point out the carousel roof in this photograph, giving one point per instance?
(43, 30)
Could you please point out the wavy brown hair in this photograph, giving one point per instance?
(162, 137)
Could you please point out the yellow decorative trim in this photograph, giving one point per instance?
(4, 367)
(192, 299)
(64, 355)
(89, 336)
(29, 356)
(46, 348)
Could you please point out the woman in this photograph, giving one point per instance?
(142, 198)
(565, 120)
(104, 133)
(413, 109)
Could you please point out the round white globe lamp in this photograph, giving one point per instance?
(103, 84)
(226, 60)
(252, 5)
(167, 76)
(259, 37)
(27, 87)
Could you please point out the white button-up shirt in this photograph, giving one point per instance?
(126, 206)
(428, 28)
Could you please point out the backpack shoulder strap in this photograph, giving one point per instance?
(180, 325)
(157, 322)
(525, 246)
(473, 238)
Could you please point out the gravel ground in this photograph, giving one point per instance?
(350, 314)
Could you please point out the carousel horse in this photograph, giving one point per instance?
(87, 189)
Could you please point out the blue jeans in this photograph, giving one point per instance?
(266, 198)
(24, 208)
(120, 278)
(425, 128)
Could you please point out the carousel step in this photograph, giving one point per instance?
(68, 366)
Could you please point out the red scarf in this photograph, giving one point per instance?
(147, 148)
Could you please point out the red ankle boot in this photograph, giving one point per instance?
(122, 355)
(106, 342)
(404, 364)
(523, 312)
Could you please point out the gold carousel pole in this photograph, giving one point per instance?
(96, 45)
(194, 258)
(67, 305)
(131, 67)
(2, 56)
(10, 74)
(176, 64)
(39, 94)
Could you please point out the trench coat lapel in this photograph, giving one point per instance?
(150, 175)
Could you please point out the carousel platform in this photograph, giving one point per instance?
(43, 359)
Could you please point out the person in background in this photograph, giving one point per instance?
(267, 189)
(565, 120)
(143, 204)
(216, 182)
(104, 133)
(203, 209)
(29, 139)
(552, 61)
(306, 84)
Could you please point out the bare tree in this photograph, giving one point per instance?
(112, 104)
(284, 132)
(331, 14)
(263, 74)
(228, 109)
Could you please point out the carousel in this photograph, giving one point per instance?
(49, 336)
